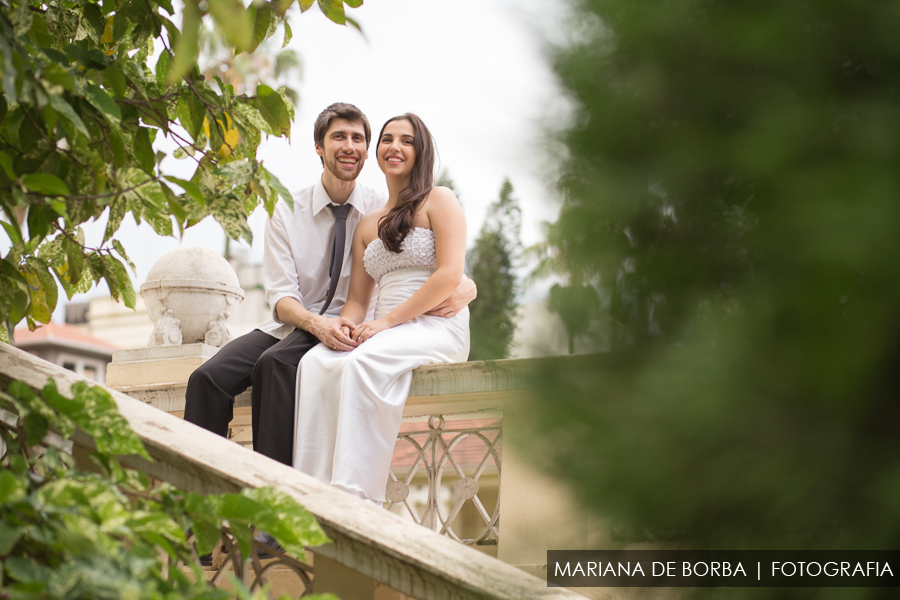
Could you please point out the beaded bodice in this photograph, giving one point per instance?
(417, 250)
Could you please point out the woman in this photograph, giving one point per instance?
(349, 404)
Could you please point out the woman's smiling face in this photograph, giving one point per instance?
(396, 150)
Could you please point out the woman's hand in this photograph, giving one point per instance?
(366, 330)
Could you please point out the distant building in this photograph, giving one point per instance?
(69, 347)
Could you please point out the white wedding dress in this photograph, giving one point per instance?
(349, 404)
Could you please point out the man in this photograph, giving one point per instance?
(306, 270)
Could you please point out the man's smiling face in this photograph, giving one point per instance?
(344, 151)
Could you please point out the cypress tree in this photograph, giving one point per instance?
(492, 264)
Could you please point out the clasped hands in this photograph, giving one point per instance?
(340, 333)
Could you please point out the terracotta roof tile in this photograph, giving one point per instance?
(468, 451)
(60, 333)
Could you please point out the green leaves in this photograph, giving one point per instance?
(42, 288)
(64, 109)
(80, 113)
(186, 42)
(43, 183)
(274, 110)
(25, 571)
(190, 188)
(234, 21)
(288, 34)
(282, 517)
(333, 9)
(102, 102)
(146, 198)
(66, 533)
(230, 214)
(262, 18)
(94, 411)
(15, 296)
(75, 259)
(9, 535)
(11, 489)
(269, 187)
(265, 508)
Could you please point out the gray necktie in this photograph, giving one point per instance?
(337, 250)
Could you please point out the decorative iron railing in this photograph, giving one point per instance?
(435, 452)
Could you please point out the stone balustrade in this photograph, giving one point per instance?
(373, 553)
(468, 408)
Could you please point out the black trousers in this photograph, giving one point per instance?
(268, 364)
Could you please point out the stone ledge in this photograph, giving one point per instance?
(436, 389)
(164, 352)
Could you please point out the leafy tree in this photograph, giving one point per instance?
(732, 177)
(245, 70)
(492, 265)
(576, 300)
(66, 533)
(80, 109)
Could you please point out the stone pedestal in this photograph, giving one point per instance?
(158, 365)
(158, 376)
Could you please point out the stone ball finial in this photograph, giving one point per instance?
(190, 294)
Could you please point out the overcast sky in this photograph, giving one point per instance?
(475, 72)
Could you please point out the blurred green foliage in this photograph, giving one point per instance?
(575, 297)
(491, 262)
(733, 182)
(66, 533)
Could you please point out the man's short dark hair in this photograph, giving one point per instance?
(339, 110)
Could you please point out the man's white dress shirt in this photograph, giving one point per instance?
(298, 248)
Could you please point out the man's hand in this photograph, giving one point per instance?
(458, 300)
(334, 333)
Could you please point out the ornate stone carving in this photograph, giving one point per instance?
(166, 330)
(190, 294)
(218, 334)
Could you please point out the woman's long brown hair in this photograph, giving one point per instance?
(394, 226)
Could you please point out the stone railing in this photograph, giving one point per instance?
(373, 553)
(448, 452)
(458, 423)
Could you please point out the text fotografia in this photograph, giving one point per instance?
(723, 568)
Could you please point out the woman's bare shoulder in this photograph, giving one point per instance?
(441, 193)
(371, 218)
(442, 199)
(368, 226)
